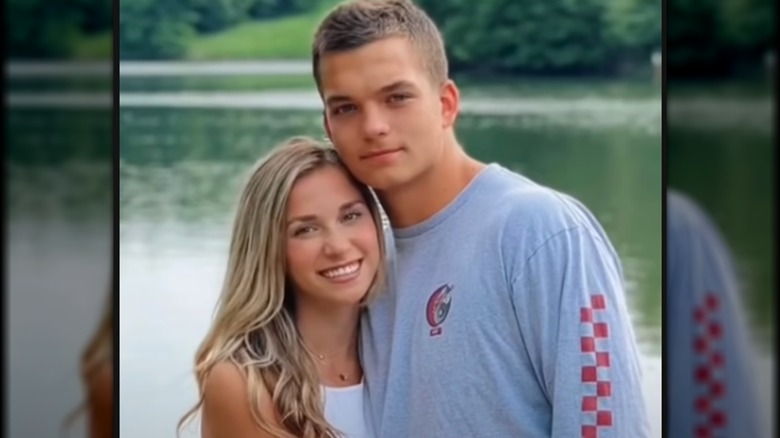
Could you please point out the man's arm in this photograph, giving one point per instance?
(572, 313)
(712, 375)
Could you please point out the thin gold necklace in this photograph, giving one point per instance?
(342, 376)
(324, 360)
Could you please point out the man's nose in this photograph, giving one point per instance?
(375, 123)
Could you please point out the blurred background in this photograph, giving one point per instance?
(568, 93)
(721, 144)
(58, 207)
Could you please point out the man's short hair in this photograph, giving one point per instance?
(356, 23)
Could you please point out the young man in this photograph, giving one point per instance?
(505, 314)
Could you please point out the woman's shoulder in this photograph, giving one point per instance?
(226, 382)
(225, 376)
(97, 357)
(226, 407)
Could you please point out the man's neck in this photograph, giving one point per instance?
(431, 192)
(329, 331)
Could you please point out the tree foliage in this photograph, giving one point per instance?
(493, 36)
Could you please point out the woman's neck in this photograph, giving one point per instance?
(330, 332)
(330, 335)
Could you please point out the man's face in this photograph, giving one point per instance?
(383, 113)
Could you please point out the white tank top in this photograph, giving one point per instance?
(344, 410)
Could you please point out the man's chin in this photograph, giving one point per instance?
(381, 179)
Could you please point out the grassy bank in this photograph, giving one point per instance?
(282, 38)
(98, 47)
(286, 38)
(230, 83)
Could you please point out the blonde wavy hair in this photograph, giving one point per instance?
(254, 326)
(99, 349)
(97, 352)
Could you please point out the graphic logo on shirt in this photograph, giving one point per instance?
(438, 307)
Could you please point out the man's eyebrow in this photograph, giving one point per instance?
(395, 86)
(336, 99)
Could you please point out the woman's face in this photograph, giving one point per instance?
(331, 238)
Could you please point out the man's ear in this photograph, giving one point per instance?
(450, 103)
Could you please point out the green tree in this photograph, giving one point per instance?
(46, 29)
(216, 15)
(154, 29)
(747, 29)
(277, 8)
(533, 36)
(693, 41)
(634, 27)
(707, 38)
(95, 15)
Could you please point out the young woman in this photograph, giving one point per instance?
(307, 253)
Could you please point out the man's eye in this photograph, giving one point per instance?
(343, 109)
(397, 98)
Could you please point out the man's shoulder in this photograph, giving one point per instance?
(684, 215)
(529, 214)
(522, 201)
(692, 233)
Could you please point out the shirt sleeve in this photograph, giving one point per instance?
(570, 305)
(712, 371)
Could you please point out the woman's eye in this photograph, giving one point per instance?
(352, 215)
(303, 230)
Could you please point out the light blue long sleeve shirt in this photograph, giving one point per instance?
(505, 317)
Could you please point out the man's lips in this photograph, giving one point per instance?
(380, 153)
